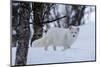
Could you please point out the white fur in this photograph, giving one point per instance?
(57, 37)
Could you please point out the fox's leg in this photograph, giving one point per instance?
(66, 47)
(46, 47)
(54, 48)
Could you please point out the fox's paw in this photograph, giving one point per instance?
(46, 48)
(65, 48)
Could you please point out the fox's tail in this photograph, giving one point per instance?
(39, 43)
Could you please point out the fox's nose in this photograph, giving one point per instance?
(73, 35)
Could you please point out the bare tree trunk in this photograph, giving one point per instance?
(79, 13)
(23, 34)
(57, 15)
(14, 25)
(38, 25)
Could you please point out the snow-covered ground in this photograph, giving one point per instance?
(83, 49)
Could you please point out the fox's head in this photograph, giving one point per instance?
(74, 30)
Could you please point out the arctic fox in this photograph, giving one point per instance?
(58, 37)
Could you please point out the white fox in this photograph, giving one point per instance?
(58, 37)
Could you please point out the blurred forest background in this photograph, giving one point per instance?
(31, 20)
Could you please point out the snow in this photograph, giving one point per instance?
(83, 49)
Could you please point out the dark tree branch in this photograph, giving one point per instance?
(49, 7)
(54, 20)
